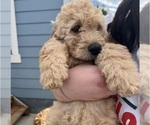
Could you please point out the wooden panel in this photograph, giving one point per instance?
(33, 93)
(17, 112)
(37, 16)
(34, 5)
(14, 109)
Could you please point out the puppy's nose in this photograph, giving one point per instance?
(94, 49)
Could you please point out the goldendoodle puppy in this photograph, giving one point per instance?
(79, 36)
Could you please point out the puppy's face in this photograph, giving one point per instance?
(81, 26)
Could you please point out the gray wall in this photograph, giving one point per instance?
(34, 28)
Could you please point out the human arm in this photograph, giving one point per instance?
(85, 83)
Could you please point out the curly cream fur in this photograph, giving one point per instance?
(120, 71)
(67, 49)
(53, 57)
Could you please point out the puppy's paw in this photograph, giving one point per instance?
(129, 91)
(127, 85)
(53, 64)
(54, 79)
(119, 69)
(54, 84)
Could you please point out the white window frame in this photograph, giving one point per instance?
(66, 1)
(15, 56)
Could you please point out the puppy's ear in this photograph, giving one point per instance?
(61, 29)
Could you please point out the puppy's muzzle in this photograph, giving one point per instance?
(94, 49)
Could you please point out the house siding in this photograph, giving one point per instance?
(5, 48)
(5, 58)
(33, 30)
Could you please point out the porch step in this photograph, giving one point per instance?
(18, 109)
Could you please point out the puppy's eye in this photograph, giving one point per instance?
(99, 28)
(76, 29)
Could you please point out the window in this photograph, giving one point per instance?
(15, 56)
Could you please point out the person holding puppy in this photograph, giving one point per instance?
(87, 83)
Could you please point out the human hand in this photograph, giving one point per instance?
(85, 83)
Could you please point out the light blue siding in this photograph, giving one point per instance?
(5, 40)
(5, 5)
(34, 29)
(37, 5)
(5, 74)
(30, 52)
(26, 63)
(5, 51)
(7, 83)
(32, 93)
(5, 62)
(37, 16)
(32, 41)
(28, 83)
(5, 28)
(5, 17)
(25, 73)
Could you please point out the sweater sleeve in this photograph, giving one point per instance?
(128, 111)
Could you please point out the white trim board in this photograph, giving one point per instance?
(15, 56)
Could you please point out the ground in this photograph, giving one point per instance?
(26, 120)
